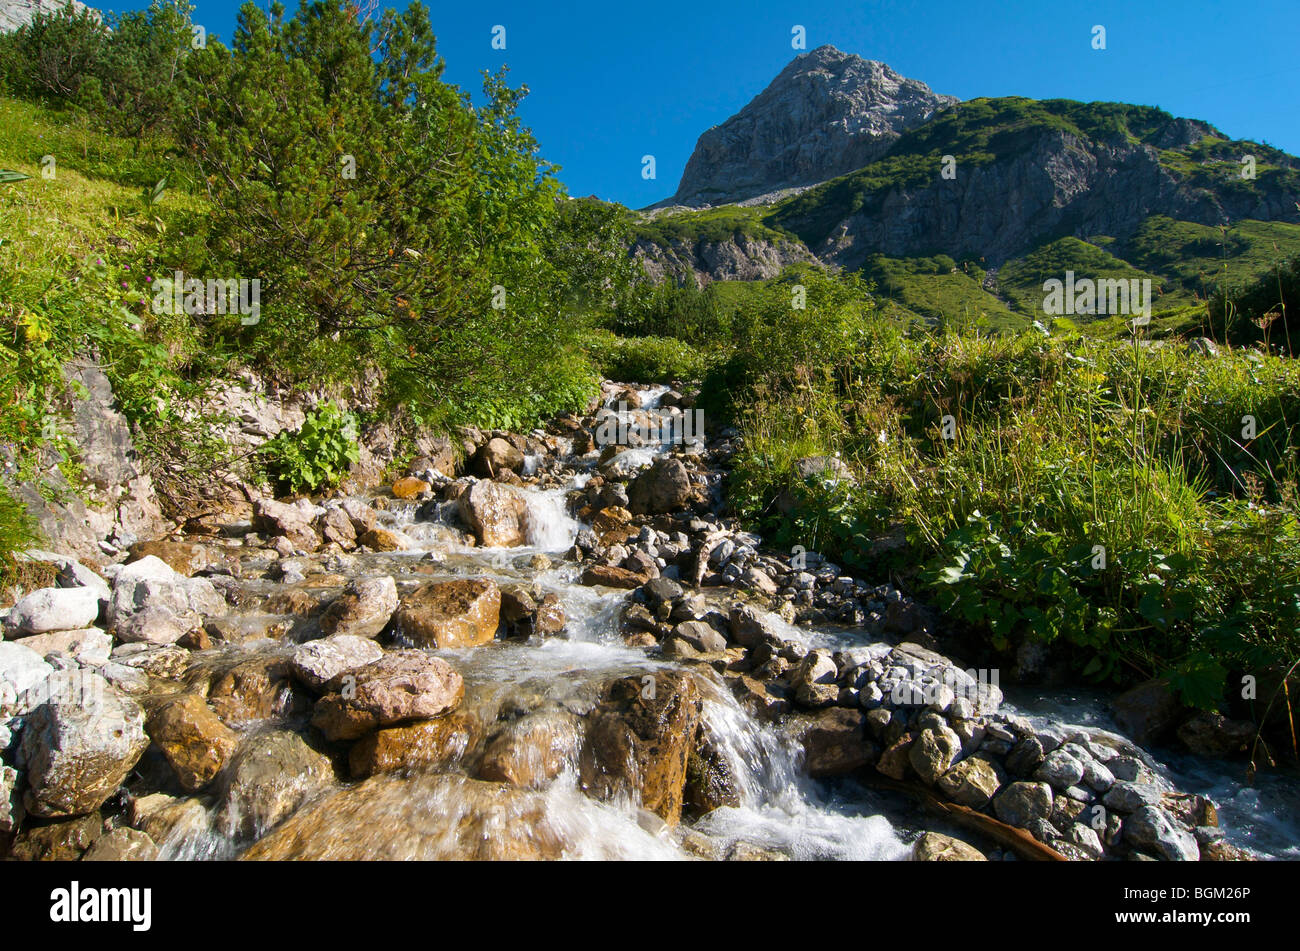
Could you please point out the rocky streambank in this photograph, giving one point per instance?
(558, 649)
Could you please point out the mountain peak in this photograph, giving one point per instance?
(826, 113)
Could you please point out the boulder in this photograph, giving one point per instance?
(404, 685)
(270, 776)
(1212, 734)
(1147, 712)
(363, 609)
(1019, 804)
(664, 487)
(90, 647)
(449, 614)
(428, 745)
(154, 604)
(1152, 829)
(409, 488)
(22, 671)
(293, 521)
(495, 455)
(64, 841)
(53, 609)
(80, 746)
(194, 740)
(319, 664)
(835, 743)
(252, 689)
(420, 818)
(185, 558)
(122, 845)
(610, 576)
(638, 740)
(934, 752)
(532, 750)
(383, 539)
(972, 782)
(495, 513)
(934, 847)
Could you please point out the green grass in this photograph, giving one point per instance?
(712, 224)
(1062, 443)
(940, 290)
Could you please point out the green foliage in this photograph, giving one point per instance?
(1095, 496)
(317, 455)
(646, 359)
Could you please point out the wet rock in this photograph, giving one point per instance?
(1212, 734)
(710, 782)
(270, 776)
(194, 740)
(319, 664)
(185, 558)
(79, 747)
(639, 739)
(166, 819)
(835, 743)
(363, 609)
(63, 841)
(90, 647)
(1147, 712)
(291, 521)
(1020, 804)
(422, 817)
(1151, 828)
(664, 487)
(251, 690)
(155, 605)
(934, 847)
(751, 627)
(934, 752)
(762, 700)
(700, 636)
(611, 577)
(495, 513)
(405, 685)
(1025, 757)
(383, 539)
(494, 456)
(52, 609)
(449, 614)
(410, 488)
(427, 745)
(894, 759)
(532, 750)
(122, 845)
(337, 528)
(972, 782)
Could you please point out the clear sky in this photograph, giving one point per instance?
(613, 81)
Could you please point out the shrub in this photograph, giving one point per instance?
(317, 455)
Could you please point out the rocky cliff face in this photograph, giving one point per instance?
(18, 13)
(743, 258)
(826, 114)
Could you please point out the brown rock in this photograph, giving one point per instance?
(293, 522)
(428, 745)
(419, 818)
(272, 775)
(893, 760)
(182, 557)
(934, 847)
(381, 539)
(532, 750)
(363, 609)
(495, 513)
(58, 841)
(122, 845)
(409, 488)
(404, 685)
(835, 743)
(611, 577)
(639, 739)
(251, 690)
(337, 527)
(192, 738)
(495, 455)
(449, 614)
(664, 487)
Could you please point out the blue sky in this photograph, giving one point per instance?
(613, 81)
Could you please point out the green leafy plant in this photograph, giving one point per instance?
(317, 455)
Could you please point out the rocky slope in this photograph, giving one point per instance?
(827, 113)
(562, 652)
(18, 13)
